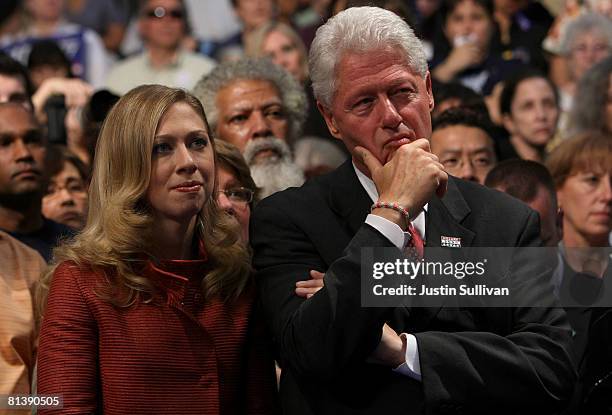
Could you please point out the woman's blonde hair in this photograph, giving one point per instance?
(588, 151)
(117, 237)
(255, 45)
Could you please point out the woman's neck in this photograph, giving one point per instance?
(527, 151)
(174, 240)
(575, 239)
(583, 255)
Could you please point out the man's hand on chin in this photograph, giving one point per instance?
(409, 178)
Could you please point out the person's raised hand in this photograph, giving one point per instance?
(75, 91)
(410, 178)
(464, 56)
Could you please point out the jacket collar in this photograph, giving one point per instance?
(445, 216)
(173, 276)
(348, 198)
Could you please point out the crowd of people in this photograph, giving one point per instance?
(189, 192)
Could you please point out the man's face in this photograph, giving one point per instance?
(379, 104)
(162, 23)
(22, 152)
(250, 109)
(466, 152)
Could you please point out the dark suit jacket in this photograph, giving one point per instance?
(472, 360)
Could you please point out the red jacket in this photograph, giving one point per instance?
(184, 356)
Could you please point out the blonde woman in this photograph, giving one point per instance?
(280, 43)
(150, 309)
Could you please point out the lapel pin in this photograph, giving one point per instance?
(450, 241)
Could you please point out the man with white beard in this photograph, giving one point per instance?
(259, 108)
(272, 166)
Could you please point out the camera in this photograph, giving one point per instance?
(55, 108)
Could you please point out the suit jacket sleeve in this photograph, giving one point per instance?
(67, 360)
(312, 335)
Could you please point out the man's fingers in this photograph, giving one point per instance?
(368, 159)
(422, 143)
(310, 283)
(442, 184)
(309, 287)
(316, 274)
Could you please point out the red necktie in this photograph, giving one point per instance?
(416, 246)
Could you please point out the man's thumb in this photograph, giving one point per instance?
(368, 158)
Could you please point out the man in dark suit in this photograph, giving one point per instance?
(373, 88)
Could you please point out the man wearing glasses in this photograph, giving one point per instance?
(162, 26)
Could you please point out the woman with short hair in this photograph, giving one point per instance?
(581, 168)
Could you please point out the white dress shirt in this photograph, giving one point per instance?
(396, 235)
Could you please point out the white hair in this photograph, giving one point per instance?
(291, 93)
(587, 23)
(273, 173)
(360, 29)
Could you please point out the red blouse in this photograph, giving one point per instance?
(184, 356)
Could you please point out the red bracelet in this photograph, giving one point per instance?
(395, 206)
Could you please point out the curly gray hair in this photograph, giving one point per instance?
(291, 92)
(360, 29)
(588, 109)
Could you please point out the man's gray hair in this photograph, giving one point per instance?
(358, 30)
(291, 92)
(587, 23)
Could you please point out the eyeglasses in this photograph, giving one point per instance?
(160, 12)
(238, 195)
(73, 187)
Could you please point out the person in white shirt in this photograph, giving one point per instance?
(162, 25)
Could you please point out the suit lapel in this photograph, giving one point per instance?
(348, 198)
(444, 217)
